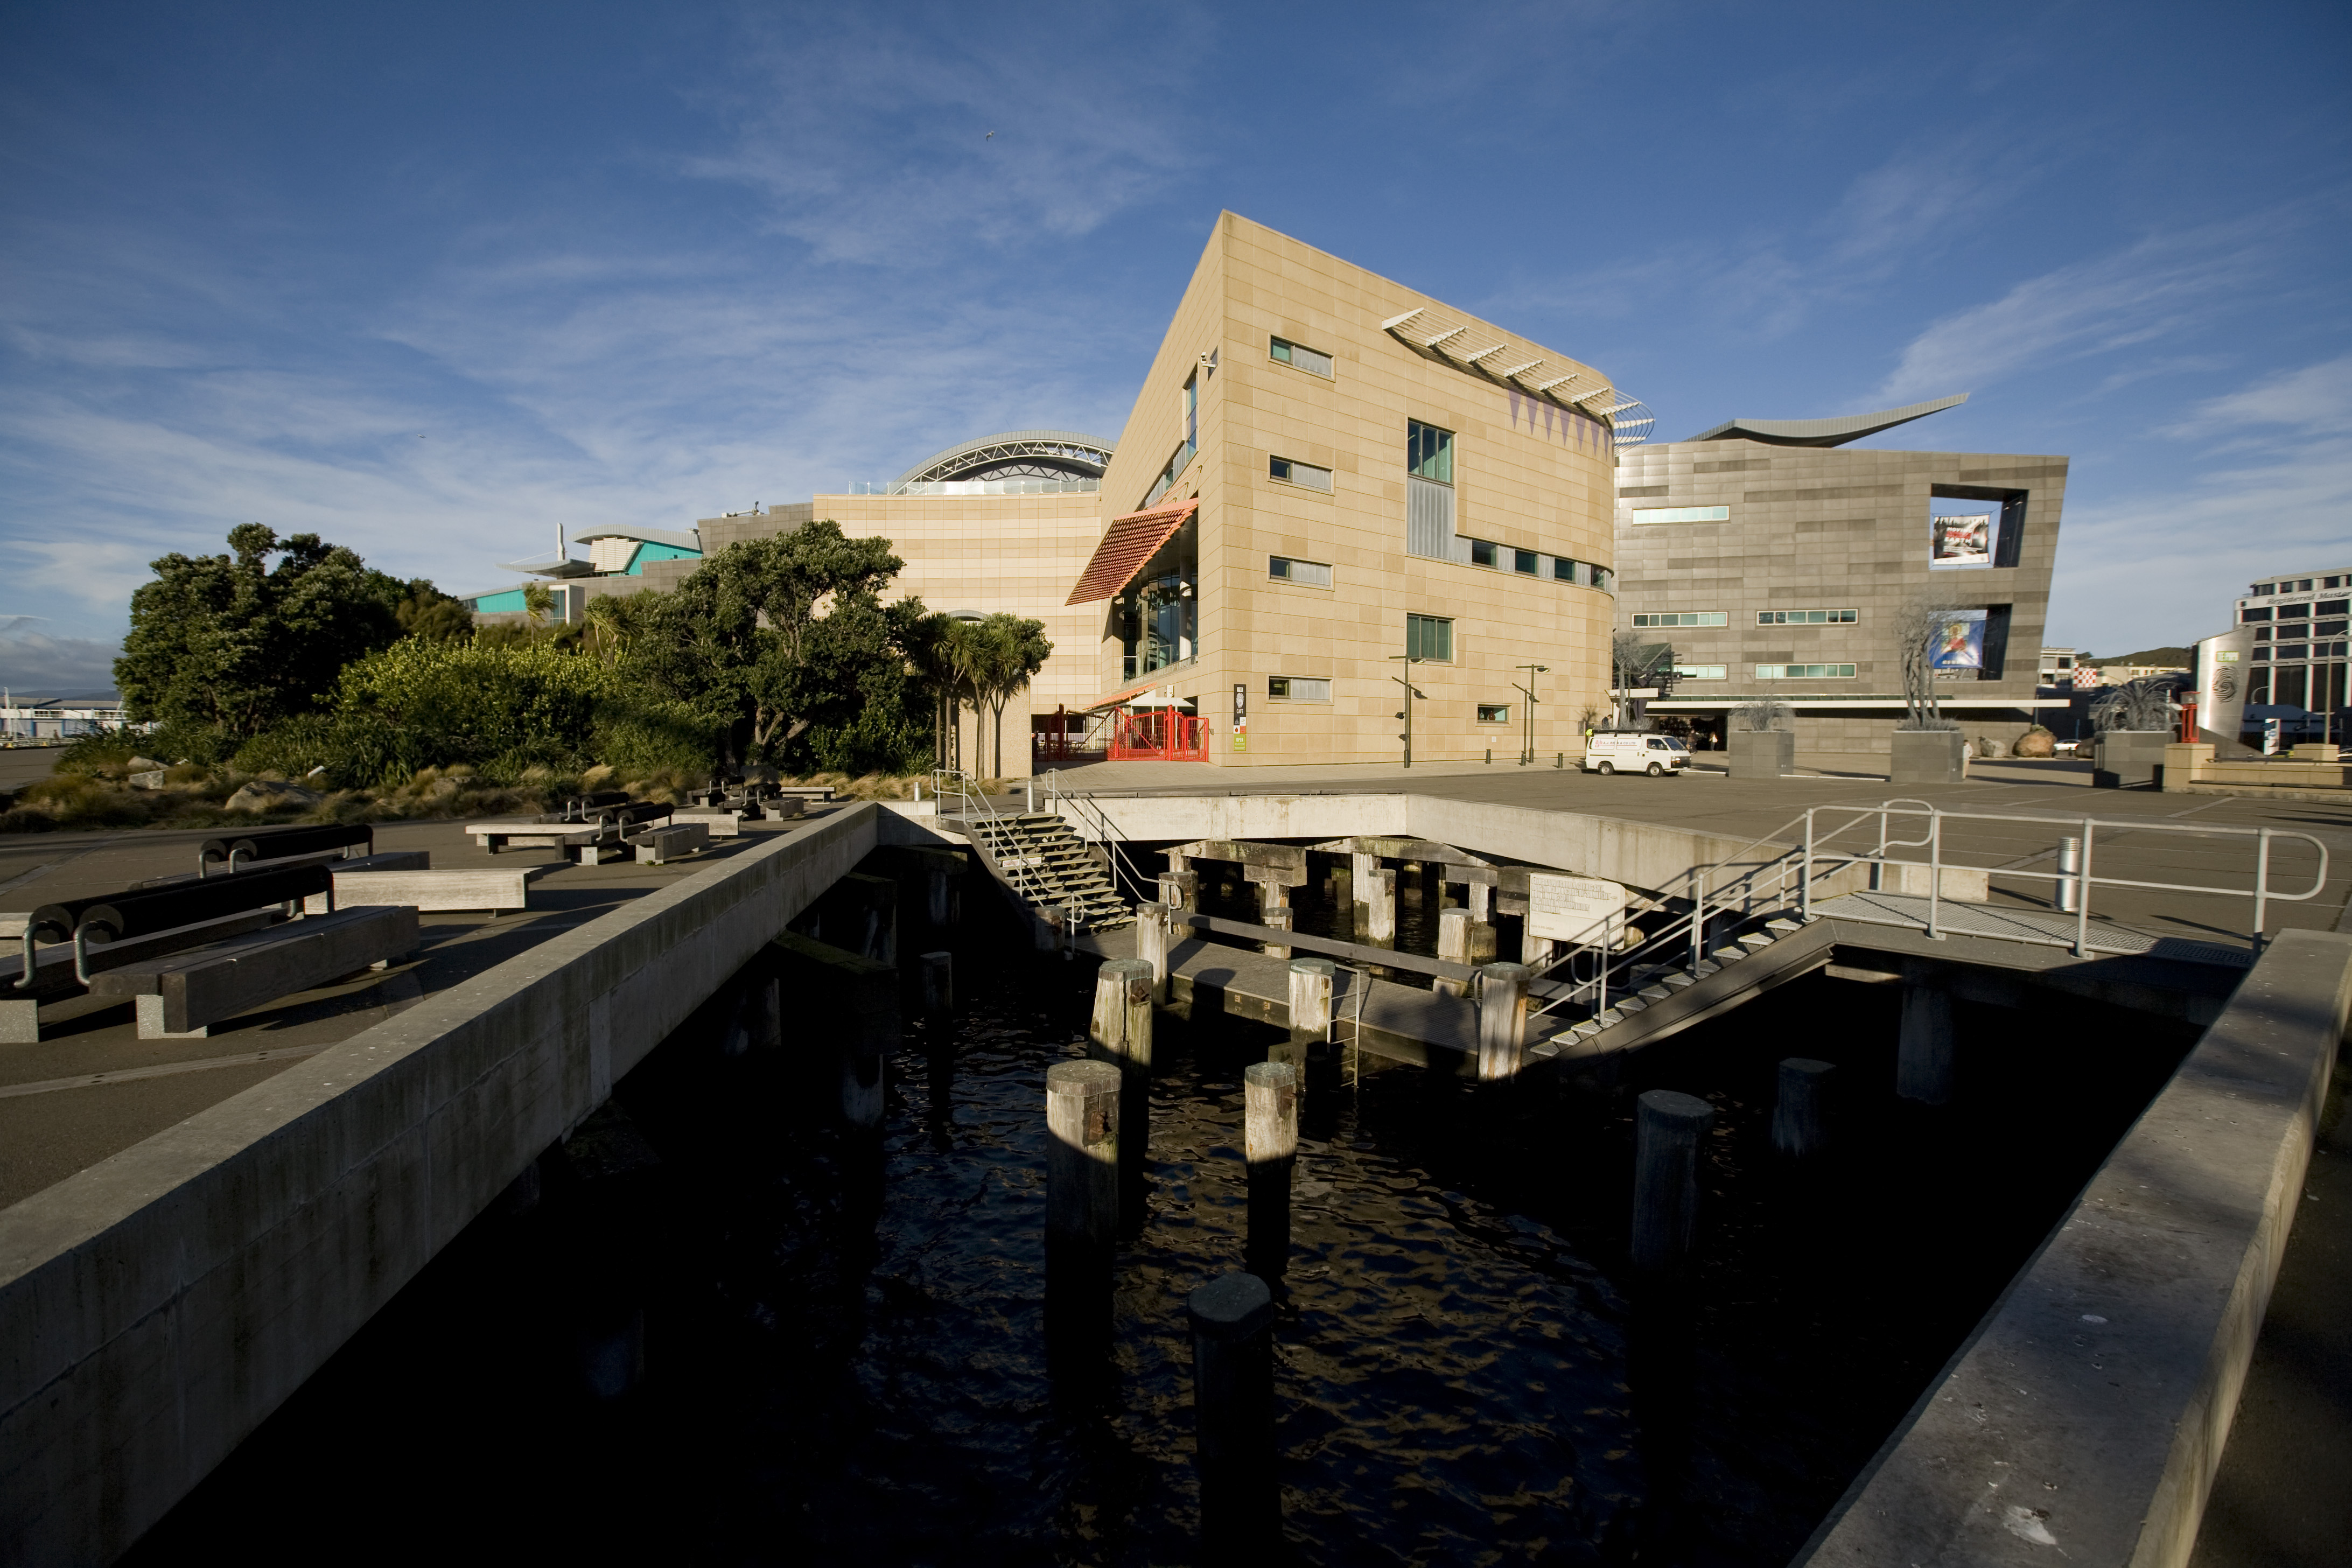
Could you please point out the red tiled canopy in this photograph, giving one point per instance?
(1132, 540)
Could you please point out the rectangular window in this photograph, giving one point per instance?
(2294, 650)
(2261, 654)
(1481, 553)
(1306, 574)
(2331, 607)
(1704, 671)
(2327, 628)
(1683, 619)
(1493, 712)
(1805, 617)
(1682, 514)
(2248, 613)
(1604, 579)
(1299, 356)
(1428, 452)
(1429, 637)
(2294, 612)
(2260, 588)
(1298, 688)
(1304, 474)
(1193, 413)
(2262, 634)
(1804, 672)
(1563, 568)
(1523, 560)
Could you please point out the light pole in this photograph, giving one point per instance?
(1528, 751)
(1410, 691)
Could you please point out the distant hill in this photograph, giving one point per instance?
(2156, 655)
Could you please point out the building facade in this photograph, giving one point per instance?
(2295, 631)
(620, 561)
(1330, 482)
(1778, 563)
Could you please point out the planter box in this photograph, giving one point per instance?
(1761, 754)
(1928, 757)
(2129, 759)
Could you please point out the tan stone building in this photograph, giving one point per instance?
(1326, 472)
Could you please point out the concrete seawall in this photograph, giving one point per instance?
(157, 1306)
(2084, 1418)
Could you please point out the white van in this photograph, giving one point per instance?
(1653, 754)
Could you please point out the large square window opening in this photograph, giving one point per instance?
(1157, 614)
(1429, 637)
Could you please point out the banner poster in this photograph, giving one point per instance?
(2086, 678)
(1960, 541)
(1958, 641)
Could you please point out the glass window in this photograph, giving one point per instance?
(2331, 607)
(1193, 413)
(2294, 650)
(1299, 356)
(1604, 579)
(2294, 612)
(2260, 588)
(2302, 586)
(1804, 672)
(1682, 514)
(1481, 553)
(2262, 634)
(1298, 688)
(2327, 628)
(1429, 637)
(1703, 671)
(2250, 612)
(1292, 473)
(1306, 573)
(1683, 619)
(1563, 568)
(1429, 451)
(1493, 712)
(1805, 617)
(1523, 560)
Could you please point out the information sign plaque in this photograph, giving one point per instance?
(1573, 910)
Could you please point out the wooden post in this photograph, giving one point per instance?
(1312, 980)
(1454, 947)
(1482, 900)
(1923, 1059)
(1279, 918)
(1270, 1093)
(935, 903)
(1375, 904)
(1502, 998)
(1668, 1128)
(1121, 1027)
(1181, 890)
(938, 989)
(1800, 1112)
(1363, 884)
(1482, 942)
(1154, 934)
(1082, 1154)
(1232, 1405)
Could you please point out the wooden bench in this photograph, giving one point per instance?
(268, 845)
(109, 931)
(185, 994)
(656, 845)
(432, 893)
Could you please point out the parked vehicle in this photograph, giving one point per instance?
(1657, 755)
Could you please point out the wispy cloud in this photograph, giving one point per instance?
(35, 663)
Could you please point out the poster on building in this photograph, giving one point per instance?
(1962, 541)
(1573, 910)
(1956, 641)
(2086, 678)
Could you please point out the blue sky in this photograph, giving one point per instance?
(432, 279)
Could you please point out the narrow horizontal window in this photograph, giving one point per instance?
(2327, 628)
(1481, 553)
(2294, 650)
(1306, 573)
(1523, 560)
(1805, 617)
(2254, 613)
(1493, 712)
(1299, 356)
(2294, 612)
(2331, 607)
(1804, 672)
(1298, 688)
(1683, 619)
(1682, 514)
(1703, 671)
(1304, 474)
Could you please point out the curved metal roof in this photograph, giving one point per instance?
(1087, 456)
(1825, 432)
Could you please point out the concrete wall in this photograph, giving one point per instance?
(2084, 1420)
(157, 1306)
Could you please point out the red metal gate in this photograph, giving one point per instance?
(1158, 735)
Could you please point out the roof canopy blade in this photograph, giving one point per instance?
(1825, 432)
(1131, 541)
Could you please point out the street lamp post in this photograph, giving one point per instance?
(1528, 750)
(1410, 691)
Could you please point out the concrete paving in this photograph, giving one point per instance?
(96, 1089)
(21, 765)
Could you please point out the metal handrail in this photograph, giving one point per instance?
(1107, 831)
(2081, 876)
(960, 785)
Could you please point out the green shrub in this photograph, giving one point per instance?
(502, 710)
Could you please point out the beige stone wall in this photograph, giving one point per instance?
(1516, 483)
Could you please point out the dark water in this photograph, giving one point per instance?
(844, 1347)
(1317, 911)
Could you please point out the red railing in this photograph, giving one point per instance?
(1158, 735)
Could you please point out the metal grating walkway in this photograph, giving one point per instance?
(1954, 919)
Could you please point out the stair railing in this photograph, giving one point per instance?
(1092, 816)
(959, 785)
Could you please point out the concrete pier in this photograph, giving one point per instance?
(1924, 1052)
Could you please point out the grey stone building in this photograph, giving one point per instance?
(1775, 561)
